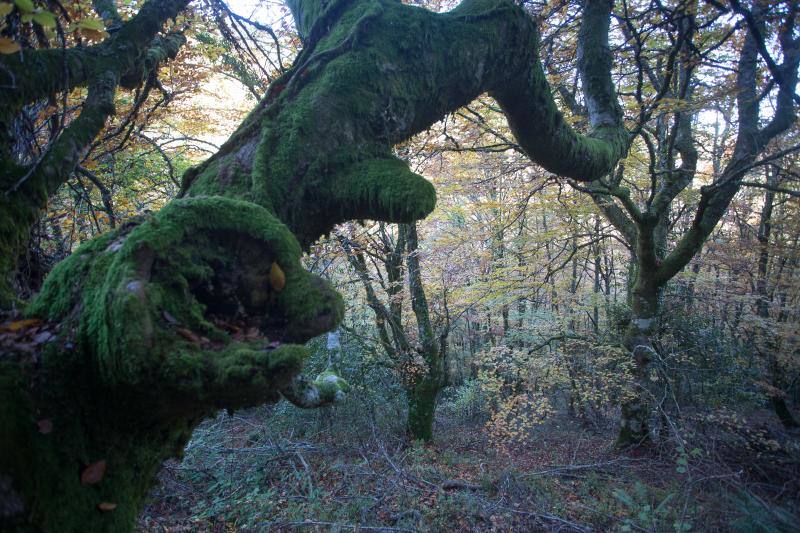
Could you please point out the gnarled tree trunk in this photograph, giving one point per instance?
(143, 348)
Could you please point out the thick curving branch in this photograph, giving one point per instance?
(374, 73)
(36, 74)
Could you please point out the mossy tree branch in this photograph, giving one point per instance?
(125, 59)
(107, 10)
(366, 80)
(36, 74)
(26, 189)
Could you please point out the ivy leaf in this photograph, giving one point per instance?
(94, 473)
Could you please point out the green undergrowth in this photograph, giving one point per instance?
(351, 466)
(269, 469)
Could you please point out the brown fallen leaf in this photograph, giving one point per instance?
(20, 324)
(107, 506)
(189, 335)
(93, 473)
(277, 279)
(45, 426)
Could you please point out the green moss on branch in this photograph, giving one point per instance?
(197, 259)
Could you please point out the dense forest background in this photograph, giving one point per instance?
(488, 347)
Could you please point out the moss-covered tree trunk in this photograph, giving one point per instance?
(645, 224)
(204, 305)
(420, 364)
(423, 391)
(645, 305)
(422, 398)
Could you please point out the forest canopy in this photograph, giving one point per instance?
(488, 230)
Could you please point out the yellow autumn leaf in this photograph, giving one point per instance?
(92, 24)
(7, 46)
(277, 279)
(92, 29)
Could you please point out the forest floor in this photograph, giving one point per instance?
(253, 471)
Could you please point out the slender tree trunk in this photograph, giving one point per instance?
(573, 283)
(778, 402)
(423, 393)
(645, 305)
(422, 398)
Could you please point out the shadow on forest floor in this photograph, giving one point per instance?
(253, 471)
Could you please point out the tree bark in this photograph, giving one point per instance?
(424, 391)
(644, 225)
(645, 305)
(422, 397)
